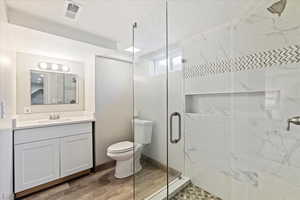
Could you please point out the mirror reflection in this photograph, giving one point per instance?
(53, 88)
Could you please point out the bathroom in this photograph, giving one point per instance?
(160, 99)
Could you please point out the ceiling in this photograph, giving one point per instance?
(113, 19)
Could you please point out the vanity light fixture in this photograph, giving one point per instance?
(132, 49)
(53, 67)
(65, 68)
(43, 65)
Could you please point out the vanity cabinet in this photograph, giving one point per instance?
(46, 154)
(36, 163)
(76, 154)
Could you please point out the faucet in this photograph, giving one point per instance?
(54, 116)
(293, 120)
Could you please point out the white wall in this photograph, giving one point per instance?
(114, 105)
(5, 124)
(3, 11)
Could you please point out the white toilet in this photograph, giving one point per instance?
(128, 153)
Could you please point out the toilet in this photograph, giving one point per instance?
(128, 154)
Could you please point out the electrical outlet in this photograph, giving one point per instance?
(27, 110)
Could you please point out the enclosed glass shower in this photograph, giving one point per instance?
(223, 94)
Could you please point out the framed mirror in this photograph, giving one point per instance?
(52, 88)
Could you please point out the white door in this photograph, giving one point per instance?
(36, 163)
(76, 154)
(113, 79)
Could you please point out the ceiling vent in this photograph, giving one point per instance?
(72, 9)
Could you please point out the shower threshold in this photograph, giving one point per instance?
(174, 187)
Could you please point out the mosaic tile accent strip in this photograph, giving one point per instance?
(261, 60)
(192, 192)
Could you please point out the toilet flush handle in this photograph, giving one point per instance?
(293, 120)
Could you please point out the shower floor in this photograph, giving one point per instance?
(192, 192)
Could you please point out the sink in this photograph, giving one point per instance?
(45, 121)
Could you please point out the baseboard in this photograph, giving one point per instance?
(105, 166)
(160, 165)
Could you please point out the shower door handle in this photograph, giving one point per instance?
(172, 140)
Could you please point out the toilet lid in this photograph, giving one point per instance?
(120, 147)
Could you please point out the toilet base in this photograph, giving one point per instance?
(124, 168)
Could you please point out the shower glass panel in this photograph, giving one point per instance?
(150, 100)
(239, 98)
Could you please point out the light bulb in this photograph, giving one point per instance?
(54, 67)
(132, 49)
(65, 68)
(43, 65)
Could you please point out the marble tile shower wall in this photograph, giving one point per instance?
(237, 145)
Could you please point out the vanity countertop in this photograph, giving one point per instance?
(19, 125)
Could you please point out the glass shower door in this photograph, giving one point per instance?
(150, 98)
(158, 78)
(240, 91)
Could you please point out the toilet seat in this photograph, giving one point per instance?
(122, 147)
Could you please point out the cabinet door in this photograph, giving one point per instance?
(36, 163)
(76, 154)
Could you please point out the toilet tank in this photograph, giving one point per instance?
(142, 131)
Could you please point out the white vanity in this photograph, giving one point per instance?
(53, 135)
(59, 149)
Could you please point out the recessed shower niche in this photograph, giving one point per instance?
(256, 102)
